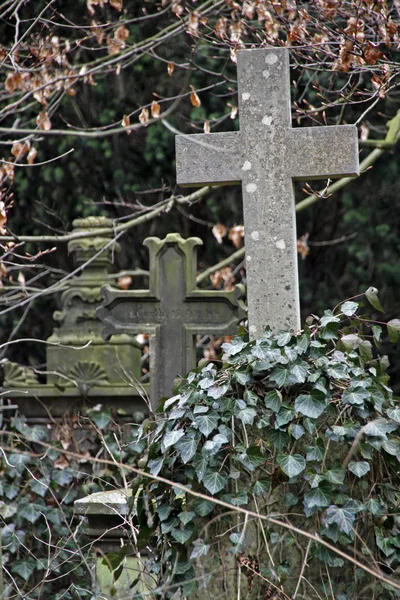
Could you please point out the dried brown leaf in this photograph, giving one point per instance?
(126, 122)
(171, 68)
(144, 115)
(155, 109)
(207, 126)
(236, 234)
(19, 149)
(220, 27)
(194, 98)
(219, 232)
(124, 282)
(43, 121)
(302, 246)
(121, 34)
(3, 218)
(13, 82)
(117, 4)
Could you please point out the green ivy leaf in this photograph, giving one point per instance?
(31, 512)
(155, 465)
(308, 406)
(24, 567)
(356, 396)
(291, 464)
(385, 544)
(343, 517)
(394, 414)
(247, 415)
(379, 428)
(349, 308)
(100, 419)
(185, 517)
(217, 391)
(200, 549)
(181, 535)
(207, 423)
(372, 296)
(359, 468)
(261, 486)
(203, 507)
(273, 400)
(318, 497)
(172, 437)
(393, 327)
(298, 373)
(234, 347)
(283, 338)
(284, 416)
(279, 376)
(187, 446)
(329, 317)
(296, 431)
(335, 475)
(214, 482)
(200, 464)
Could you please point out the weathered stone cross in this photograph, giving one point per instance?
(265, 156)
(172, 311)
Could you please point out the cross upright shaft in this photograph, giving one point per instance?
(265, 156)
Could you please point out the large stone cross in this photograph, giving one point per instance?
(172, 311)
(265, 156)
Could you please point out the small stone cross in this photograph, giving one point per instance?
(265, 156)
(172, 311)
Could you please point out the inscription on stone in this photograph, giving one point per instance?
(172, 311)
(265, 156)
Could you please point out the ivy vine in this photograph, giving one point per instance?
(303, 427)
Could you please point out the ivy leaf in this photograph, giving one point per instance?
(252, 458)
(186, 517)
(214, 482)
(343, 517)
(279, 376)
(273, 400)
(356, 396)
(385, 544)
(298, 373)
(242, 377)
(234, 347)
(247, 415)
(155, 465)
(318, 497)
(172, 437)
(296, 431)
(394, 414)
(187, 447)
(24, 567)
(100, 419)
(335, 475)
(379, 428)
(207, 423)
(329, 317)
(284, 416)
(217, 391)
(308, 406)
(359, 468)
(372, 296)
(31, 512)
(349, 308)
(200, 549)
(291, 464)
(261, 486)
(283, 338)
(181, 535)
(203, 507)
(393, 327)
(200, 465)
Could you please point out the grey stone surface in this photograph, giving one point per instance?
(172, 311)
(265, 156)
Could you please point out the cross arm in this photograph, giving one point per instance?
(322, 152)
(134, 311)
(211, 158)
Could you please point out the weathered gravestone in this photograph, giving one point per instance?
(99, 372)
(266, 155)
(172, 311)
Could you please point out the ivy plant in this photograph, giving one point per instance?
(302, 427)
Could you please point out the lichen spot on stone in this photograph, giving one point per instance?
(252, 329)
(280, 244)
(267, 120)
(251, 188)
(266, 73)
(246, 166)
(249, 258)
(245, 96)
(271, 59)
(255, 235)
